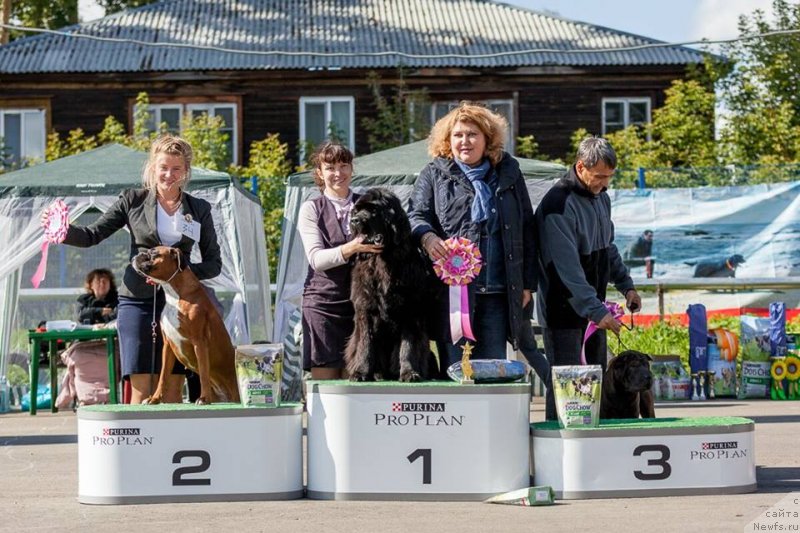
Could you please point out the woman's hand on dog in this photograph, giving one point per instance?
(433, 246)
(356, 246)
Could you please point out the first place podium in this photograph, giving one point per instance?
(426, 441)
(130, 454)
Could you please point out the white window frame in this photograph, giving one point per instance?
(25, 153)
(627, 101)
(210, 108)
(510, 140)
(328, 100)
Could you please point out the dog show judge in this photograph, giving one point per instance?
(579, 258)
(160, 213)
(324, 226)
(474, 189)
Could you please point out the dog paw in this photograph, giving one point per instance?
(359, 377)
(202, 400)
(410, 377)
(152, 400)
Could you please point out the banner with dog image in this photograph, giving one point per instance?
(743, 232)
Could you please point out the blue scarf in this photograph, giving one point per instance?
(483, 201)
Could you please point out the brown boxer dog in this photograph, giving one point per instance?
(626, 387)
(192, 328)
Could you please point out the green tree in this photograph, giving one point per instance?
(208, 141)
(49, 14)
(762, 92)
(269, 162)
(398, 118)
(115, 6)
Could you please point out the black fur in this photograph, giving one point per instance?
(390, 339)
(626, 387)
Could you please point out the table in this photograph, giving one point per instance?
(52, 337)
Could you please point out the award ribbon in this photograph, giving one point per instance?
(617, 312)
(55, 224)
(457, 269)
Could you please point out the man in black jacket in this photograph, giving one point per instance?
(579, 258)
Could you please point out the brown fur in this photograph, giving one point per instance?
(202, 343)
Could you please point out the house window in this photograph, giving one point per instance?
(504, 108)
(22, 136)
(323, 118)
(170, 115)
(619, 113)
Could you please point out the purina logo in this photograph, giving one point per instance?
(107, 432)
(418, 407)
(714, 451)
(121, 437)
(720, 445)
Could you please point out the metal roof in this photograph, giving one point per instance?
(357, 34)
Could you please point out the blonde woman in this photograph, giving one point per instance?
(151, 215)
(474, 189)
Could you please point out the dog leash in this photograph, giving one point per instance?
(153, 325)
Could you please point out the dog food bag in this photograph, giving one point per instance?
(258, 372)
(577, 392)
(721, 372)
(755, 350)
(670, 379)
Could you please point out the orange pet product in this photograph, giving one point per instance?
(728, 343)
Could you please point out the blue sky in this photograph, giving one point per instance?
(670, 21)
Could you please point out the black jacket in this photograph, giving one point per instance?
(91, 310)
(578, 254)
(136, 209)
(441, 202)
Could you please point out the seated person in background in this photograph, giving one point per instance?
(99, 304)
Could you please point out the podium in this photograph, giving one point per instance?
(424, 441)
(647, 457)
(131, 454)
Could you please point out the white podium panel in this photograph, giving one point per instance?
(636, 458)
(130, 454)
(442, 441)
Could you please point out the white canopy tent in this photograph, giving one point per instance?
(91, 182)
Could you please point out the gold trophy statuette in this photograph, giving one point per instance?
(466, 366)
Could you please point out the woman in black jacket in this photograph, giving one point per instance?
(474, 189)
(98, 305)
(161, 213)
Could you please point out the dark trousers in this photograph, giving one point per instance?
(563, 348)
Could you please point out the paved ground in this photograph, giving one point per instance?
(38, 470)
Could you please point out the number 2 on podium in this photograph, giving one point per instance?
(425, 453)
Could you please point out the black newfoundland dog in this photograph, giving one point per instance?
(388, 291)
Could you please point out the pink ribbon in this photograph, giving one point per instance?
(457, 269)
(616, 311)
(55, 224)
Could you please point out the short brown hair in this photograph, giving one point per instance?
(492, 125)
(99, 273)
(329, 153)
(172, 145)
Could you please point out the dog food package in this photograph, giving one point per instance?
(577, 392)
(721, 377)
(670, 380)
(541, 495)
(755, 350)
(777, 329)
(258, 372)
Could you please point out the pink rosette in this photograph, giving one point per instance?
(616, 311)
(55, 224)
(458, 268)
